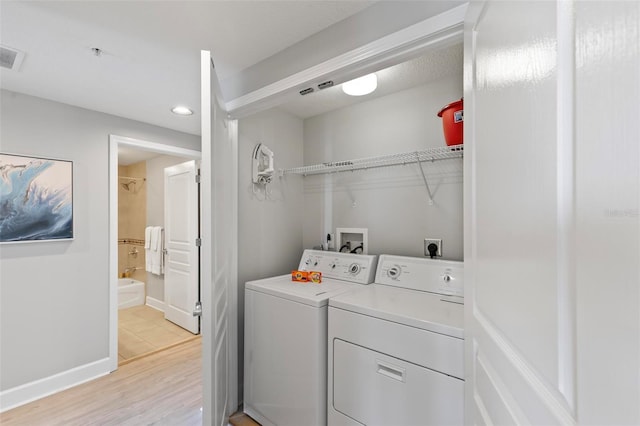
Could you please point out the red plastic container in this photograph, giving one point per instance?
(452, 121)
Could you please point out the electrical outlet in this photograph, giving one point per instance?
(437, 242)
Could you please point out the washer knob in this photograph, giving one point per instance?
(394, 272)
(354, 268)
(446, 278)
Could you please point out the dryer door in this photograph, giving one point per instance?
(376, 389)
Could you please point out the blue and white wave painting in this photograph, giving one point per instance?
(36, 200)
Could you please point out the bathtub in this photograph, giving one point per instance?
(130, 293)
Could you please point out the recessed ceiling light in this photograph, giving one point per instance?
(181, 110)
(361, 86)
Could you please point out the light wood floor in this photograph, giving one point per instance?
(164, 388)
(142, 330)
(241, 419)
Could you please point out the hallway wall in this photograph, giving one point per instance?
(54, 298)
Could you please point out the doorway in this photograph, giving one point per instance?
(137, 325)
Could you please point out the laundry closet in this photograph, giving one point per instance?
(314, 190)
(376, 164)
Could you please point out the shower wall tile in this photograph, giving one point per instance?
(132, 213)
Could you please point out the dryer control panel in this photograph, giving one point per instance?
(356, 268)
(436, 276)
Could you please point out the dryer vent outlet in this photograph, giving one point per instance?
(429, 244)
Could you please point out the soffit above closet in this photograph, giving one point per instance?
(427, 68)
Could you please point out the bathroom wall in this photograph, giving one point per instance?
(54, 297)
(391, 202)
(155, 212)
(132, 212)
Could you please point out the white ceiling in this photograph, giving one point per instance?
(151, 49)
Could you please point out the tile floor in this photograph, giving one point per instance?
(142, 330)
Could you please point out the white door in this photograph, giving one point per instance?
(551, 213)
(219, 250)
(181, 269)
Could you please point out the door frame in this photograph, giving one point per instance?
(116, 141)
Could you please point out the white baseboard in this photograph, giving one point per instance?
(23, 394)
(155, 303)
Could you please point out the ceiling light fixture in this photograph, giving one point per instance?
(360, 86)
(181, 110)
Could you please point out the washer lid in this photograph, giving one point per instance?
(428, 311)
(308, 293)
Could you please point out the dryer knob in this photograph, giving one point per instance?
(394, 272)
(354, 268)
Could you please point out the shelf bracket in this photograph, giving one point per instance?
(424, 177)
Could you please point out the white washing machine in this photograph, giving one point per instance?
(285, 338)
(395, 349)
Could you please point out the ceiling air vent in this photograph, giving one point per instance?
(10, 58)
(325, 85)
(306, 91)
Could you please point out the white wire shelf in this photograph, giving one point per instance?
(431, 154)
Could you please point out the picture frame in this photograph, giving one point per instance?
(36, 199)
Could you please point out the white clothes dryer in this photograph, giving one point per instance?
(395, 349)
(285, 340)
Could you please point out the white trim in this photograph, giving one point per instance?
(566, 199)
(114, 142)
(206, 320)
(232, 294)
(472, 18)
(385, 51)
(113, 252)
(154, 303)
(156, 147)
(28, 392)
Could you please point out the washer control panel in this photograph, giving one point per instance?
(357, 268)
(436, 276)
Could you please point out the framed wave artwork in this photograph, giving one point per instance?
(36, 199)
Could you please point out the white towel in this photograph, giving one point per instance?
(147, 237)
(147, 248)
(156, 251)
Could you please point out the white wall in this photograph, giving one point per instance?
(269, 231)
(54, 307)
(391, 202)
(155, 210)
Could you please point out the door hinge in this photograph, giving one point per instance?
(197, 178)
(198, 242)
(197, 312)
